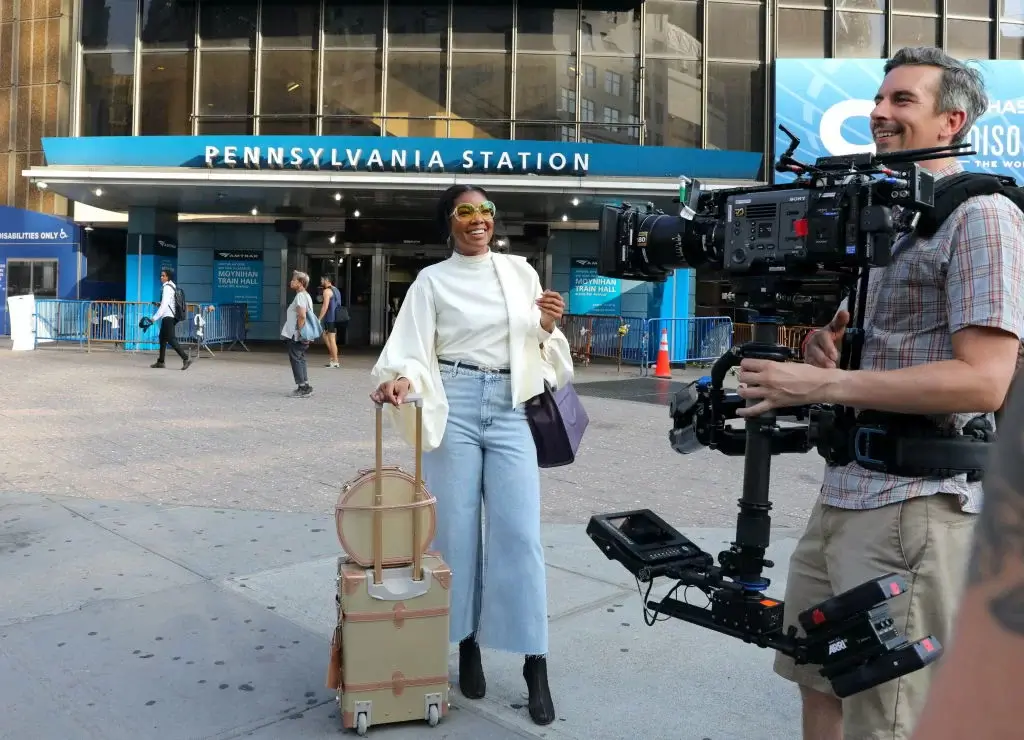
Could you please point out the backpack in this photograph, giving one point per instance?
(953, 190)
(180, 309)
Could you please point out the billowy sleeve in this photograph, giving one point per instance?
(410, 352)
(555, 353)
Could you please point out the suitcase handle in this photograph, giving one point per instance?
(378, 495)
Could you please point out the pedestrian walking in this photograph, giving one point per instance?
(167, 318)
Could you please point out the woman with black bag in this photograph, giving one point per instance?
(477, 338)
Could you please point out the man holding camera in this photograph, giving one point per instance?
(942, 329)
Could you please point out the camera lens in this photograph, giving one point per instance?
(664, 242)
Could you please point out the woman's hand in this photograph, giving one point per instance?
(551, 307)
(392, 391)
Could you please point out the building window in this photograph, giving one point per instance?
(612, 83)
(586, 110)
(860, 35)
(802, 32)
(589, 75)
(567, 101)
(38, 277)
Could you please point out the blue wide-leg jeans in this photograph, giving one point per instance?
(485, 470)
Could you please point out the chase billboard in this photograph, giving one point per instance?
(827, 102)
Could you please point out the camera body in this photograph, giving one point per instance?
(839, 218)
(794, 229)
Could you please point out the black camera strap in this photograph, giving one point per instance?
(951, 191)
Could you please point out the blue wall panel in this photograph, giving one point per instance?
(196, 244)
(641, 300)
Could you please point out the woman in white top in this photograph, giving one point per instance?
(476, 337)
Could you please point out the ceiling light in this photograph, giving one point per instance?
(254, 211)
(337, 196)
(565, 216)
(98, 191)
(355, 214)
(42, 185)
(333, 238)
(575, 201)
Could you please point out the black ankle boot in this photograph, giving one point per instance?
(535, 671)
(471, 670)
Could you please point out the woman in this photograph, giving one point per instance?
(295, 319)
(476, 337)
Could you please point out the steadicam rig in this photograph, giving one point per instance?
(851, 636)
(841, 216)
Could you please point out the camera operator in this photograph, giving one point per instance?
(942, 328)
(977, 692)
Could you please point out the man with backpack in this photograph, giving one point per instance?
(171, 312)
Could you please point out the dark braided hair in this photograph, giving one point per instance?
(446, 205)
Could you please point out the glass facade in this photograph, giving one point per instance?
(688, 73)
(567, 71)
(967, 29)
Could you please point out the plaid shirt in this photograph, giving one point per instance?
(927, 293)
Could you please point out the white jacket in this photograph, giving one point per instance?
(410, 351)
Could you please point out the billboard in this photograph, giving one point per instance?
(827, 102)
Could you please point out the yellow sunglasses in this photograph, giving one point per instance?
(466, 211)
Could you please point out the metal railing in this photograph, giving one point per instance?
(96, 324)
(635, 341)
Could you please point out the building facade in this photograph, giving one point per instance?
(559, 107)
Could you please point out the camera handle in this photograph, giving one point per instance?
(744, 562)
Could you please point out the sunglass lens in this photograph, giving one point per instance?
(487, 208)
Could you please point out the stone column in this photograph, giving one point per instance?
(35, 94)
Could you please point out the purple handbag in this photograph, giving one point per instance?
(558, 421)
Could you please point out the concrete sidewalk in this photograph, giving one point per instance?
(125, 620)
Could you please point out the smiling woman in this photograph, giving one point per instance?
(477, 338)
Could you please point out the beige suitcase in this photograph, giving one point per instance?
(384, 507)
(389, 651)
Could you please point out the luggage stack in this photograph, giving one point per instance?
(389, 652)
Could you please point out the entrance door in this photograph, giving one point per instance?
(401, 269)
(351, 273)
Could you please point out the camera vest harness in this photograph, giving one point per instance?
(907, 444)
(951, 191)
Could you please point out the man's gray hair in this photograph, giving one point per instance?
(301, 277)
(961, 87)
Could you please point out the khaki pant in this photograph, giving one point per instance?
(926, 540)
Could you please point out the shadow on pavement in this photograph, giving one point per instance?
(655, 391)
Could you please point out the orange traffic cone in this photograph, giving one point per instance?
(662, 369)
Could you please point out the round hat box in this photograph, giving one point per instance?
(402, 507)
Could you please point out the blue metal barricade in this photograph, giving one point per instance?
(210, 324)
(116, 324)
(61, 320)
(694, 339)
(617, 338)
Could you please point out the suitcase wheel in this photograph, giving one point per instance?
(361, 724)
(432, 716)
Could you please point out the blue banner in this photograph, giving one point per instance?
(590, 293)
(238, 278)
(399, 154)
(827, 102)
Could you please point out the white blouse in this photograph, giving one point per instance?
(472, 318)
(452, 311)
